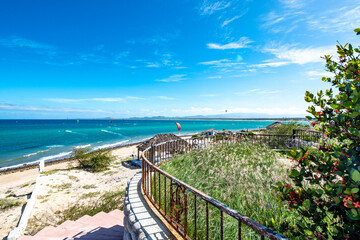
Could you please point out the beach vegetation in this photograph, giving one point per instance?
(89, 186)
(110, 173)
(50, 172)
(240, 175)
(107, 202)
(324, 191)
(89, 195)
(287, 128)
(96, 161)
(63, 186)
(6, 203)
(73, 178)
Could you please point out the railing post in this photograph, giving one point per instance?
(152, 154)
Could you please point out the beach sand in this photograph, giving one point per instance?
(61, 188)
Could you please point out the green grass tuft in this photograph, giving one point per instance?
(242, 176)
(9, 203)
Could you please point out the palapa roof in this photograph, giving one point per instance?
(159, 138)
(275, 124)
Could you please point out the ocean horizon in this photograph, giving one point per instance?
(27, 141)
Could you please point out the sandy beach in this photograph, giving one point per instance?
(61, 186)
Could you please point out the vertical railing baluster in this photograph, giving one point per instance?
(165, 199)
(159, 191)
(195, 233)
(155, 185)
(207, 220)
(239, 229)
(221, 225)
(186, 213)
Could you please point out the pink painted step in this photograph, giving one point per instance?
(101, 226)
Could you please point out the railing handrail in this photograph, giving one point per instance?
(247, 221)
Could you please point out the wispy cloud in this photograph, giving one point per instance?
(293, 3)
(135, 98)
(24, 43)
(165, 98)
(173, 78)
(210, 7)
(289, 111)
(48, 109)
(163, 59)
(286, 55)
(300, 55)
(208, 95)
(193, 110)
(242, 43)
(226, 22)
(337, 20)
(222, 63)
(68, 100)
(18, 42)
(258, 91)
(263, 91)
(270, 64)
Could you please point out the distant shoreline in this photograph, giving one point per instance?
(168, 119)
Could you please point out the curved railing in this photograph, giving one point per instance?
(172, 197)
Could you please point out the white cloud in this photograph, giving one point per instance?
(37, 47)
(319, 74)
(193, 110)
(215, 77)
(242, 43)
(301, 55)
(135, 98)
(270, 64)
(226, 22)
(24, 43)
(165, 98)
(208, 7)
(48, 109)
(106, 99)
(173, 78)
(69, 100)
(222, 63)
(285, 111)
(208, 95)
(337, 20)
(293, 3)
(294, 55)
(259, 91)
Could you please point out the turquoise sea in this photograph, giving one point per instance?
(25, 141)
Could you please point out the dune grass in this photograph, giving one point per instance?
(242, 176)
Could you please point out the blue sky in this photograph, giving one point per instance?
(90, 59)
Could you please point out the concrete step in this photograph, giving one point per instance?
(102, 226)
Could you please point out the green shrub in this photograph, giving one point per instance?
(94, 161)
(9, 203)
(287, 128)
(327, 182)
(195, 136)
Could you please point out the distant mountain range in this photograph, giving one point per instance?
(245, 116)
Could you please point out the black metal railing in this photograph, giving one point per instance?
(173, 198)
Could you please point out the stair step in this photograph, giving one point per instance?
(117, 213)
(44, 231)
(103, 225)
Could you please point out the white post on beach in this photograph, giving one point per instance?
(41, 166)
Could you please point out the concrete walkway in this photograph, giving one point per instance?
(140, 222)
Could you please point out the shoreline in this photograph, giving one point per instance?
(35, 164)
